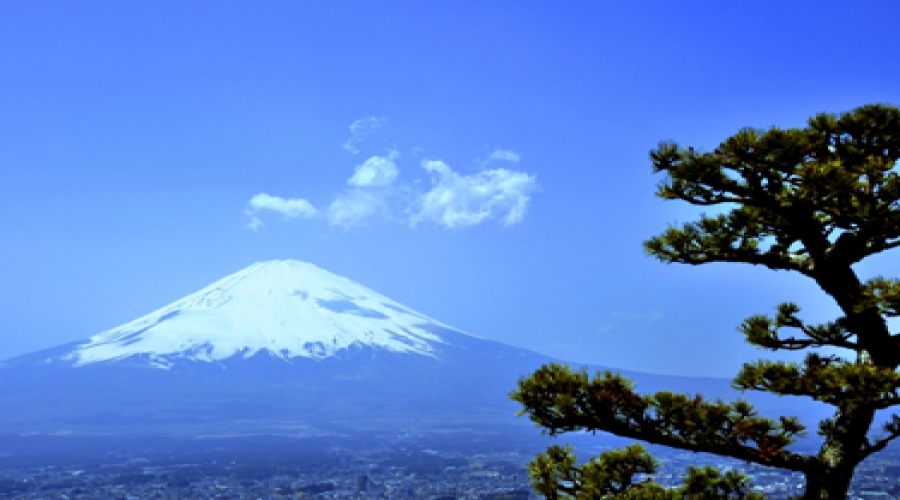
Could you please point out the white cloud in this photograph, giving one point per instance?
(377, 171)
(452, 200)
(505, 155)
(290, 208)
(360, 129)
(629, 317)
(352, 207)
(255, 224)
(465, 200)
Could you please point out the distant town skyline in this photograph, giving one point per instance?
(484, 164)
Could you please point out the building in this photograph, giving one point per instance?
(362, 483)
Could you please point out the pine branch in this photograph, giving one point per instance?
(561, 400)
(724, 239)
(555, 475)
(883, 295)
(828, 379)
(811, 182)
(892, 429)
(763, 331)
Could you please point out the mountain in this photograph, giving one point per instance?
(285, 309)
(281, 347)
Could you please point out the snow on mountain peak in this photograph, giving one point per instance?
(288, 308)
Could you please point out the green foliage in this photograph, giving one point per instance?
(709, 483)
(763, 331)
(559, 399)
(556, 475)
(796, 191)
(814, 200)
(824, 378)
(882, 294)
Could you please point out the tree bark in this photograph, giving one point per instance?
(830, 484)
(839, 455)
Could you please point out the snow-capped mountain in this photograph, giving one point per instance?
(288, 309)
(279, 347)
(280, 344)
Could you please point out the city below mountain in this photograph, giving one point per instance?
(281, 347)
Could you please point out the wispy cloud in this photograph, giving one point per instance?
(620, 318)
(292, 208)
(465, 200)
(255, 223)
(360, 129)
(377, 171)
(372, 181)
(353, 207)
(505, 155)
(605, 327)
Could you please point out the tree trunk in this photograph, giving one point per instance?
(831, 484)
(840, 454)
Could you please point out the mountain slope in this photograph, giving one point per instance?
(279, 347)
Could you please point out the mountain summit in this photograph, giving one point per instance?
(288, 309)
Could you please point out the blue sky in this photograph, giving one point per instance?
(137, 140)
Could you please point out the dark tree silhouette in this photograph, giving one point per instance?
(815, 201)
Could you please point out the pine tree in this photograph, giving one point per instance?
(815, 201)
